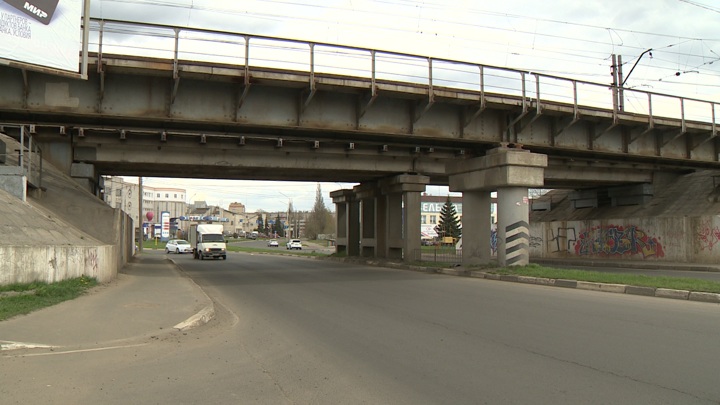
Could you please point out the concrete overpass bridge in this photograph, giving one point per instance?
(168, 101)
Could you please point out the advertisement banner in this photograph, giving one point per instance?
(165, 221)
(42, 32)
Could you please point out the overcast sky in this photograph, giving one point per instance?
(567, 38)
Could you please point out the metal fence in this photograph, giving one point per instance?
(437, 254)
(245, 50)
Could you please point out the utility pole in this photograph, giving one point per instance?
(615, 83)
(621, 94)
(620, 81)
(140, 210)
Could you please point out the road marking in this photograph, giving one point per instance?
(8, 345)
(98, 349)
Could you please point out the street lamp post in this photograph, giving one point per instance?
(287, 220)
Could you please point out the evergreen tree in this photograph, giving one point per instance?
(449, 225)
(318, 219)
(278, 227)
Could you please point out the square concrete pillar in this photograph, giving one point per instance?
(403, 214)
(476, 248)
(341, 226)
(368, 194)
(394, 230)
(353, 227)
(411, 225)
(381, 221)
(348, 222)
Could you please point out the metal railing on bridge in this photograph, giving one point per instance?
(27, 156)
(532, 88)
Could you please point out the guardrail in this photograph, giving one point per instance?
(28, 156)
(246, 50)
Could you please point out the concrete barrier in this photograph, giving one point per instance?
(670, 293)
(25, 264)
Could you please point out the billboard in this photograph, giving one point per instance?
(165, 221)
(42, 32)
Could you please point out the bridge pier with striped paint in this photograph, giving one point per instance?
(510, 172)
(513, 242)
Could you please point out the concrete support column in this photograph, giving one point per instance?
(381, 221)
(394, 220)
(411, 225)
(513, 233)
(476, 248)
(353, 218)
(347, 208)
(402, 215)
(368, 194)
(510, 171)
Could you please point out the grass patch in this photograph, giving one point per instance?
(442, 249)
(676, 283)
(19, 299)
(153, 244)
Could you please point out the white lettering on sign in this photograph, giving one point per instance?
(437, 207)
(29, 7)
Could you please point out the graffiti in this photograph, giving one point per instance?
(563, 239)
(535, 241)
(91, 260)
(618, 241)
(493, 241)
(707, 235)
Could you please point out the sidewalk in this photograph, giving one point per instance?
(149, 297)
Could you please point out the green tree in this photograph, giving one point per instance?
(278, 227)
(319, 218)
(449, 225)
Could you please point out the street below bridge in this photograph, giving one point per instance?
(305, 331)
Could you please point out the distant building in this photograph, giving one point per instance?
(431, 207)
(236, 207)
(124, 195)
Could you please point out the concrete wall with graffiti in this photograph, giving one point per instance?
(685, 239)
(26, 264)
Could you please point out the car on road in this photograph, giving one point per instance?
(178, 246)
(294, 244)
(273, 243)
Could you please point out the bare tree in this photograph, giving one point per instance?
(319, 219)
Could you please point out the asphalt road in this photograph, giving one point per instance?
(304, 331)
(332, 333)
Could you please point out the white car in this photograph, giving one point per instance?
(178, 246)
(293, 244)
(272, 243)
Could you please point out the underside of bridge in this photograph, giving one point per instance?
(139, 116)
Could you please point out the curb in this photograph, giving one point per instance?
(580, 285)
(605, 287)
(203, 316)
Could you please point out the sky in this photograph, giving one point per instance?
(567, 38)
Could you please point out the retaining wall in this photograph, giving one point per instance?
(26, 264)
(673, 239)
